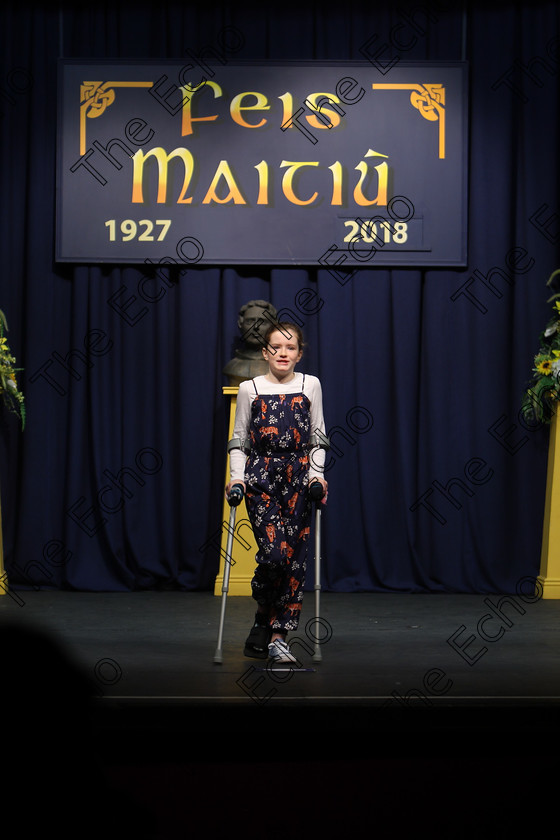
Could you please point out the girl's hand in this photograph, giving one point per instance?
(322, 482)
(324, 485)
(230, 485)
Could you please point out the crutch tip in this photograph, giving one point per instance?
(218, 659)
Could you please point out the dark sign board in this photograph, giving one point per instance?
(275, 163)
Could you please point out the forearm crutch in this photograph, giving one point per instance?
(316, 492)
(234, 499)
(321, 441)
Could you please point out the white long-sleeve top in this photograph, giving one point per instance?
(311, 388)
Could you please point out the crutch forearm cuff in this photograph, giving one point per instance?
(319, 440)
(239, 443)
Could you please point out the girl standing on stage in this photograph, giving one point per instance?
(277, 413)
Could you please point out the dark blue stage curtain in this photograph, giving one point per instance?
(436, 484)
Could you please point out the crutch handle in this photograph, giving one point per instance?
(235, 496)
(316, 491)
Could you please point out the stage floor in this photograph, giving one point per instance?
(392, 727)
(380, 651)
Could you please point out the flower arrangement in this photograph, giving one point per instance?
(543, 393)
(9, 391)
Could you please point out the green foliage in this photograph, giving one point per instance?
(11, 395)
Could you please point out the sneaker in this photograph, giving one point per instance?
(256, 644)
(279, 651)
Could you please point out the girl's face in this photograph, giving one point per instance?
(282, 354)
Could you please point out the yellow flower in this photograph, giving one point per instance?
(544, 366)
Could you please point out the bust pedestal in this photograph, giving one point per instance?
(3, 578)
(244, 547)
(550, 554)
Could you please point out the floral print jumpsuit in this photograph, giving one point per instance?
(278, 504)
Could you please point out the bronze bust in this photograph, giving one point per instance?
(253, 321)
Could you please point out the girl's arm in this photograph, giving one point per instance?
(238, 458)
(317, 455)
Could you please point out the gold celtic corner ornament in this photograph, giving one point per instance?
(429, 100)
(95, 98)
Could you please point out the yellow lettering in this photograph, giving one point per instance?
(287, 101)
(262, 169)
(336, 170)
(223, 171)
(382, 173)
(329, 116)
(287, 180)
(225, 187)
(163, 165)
(188, 119)
(236, 107)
